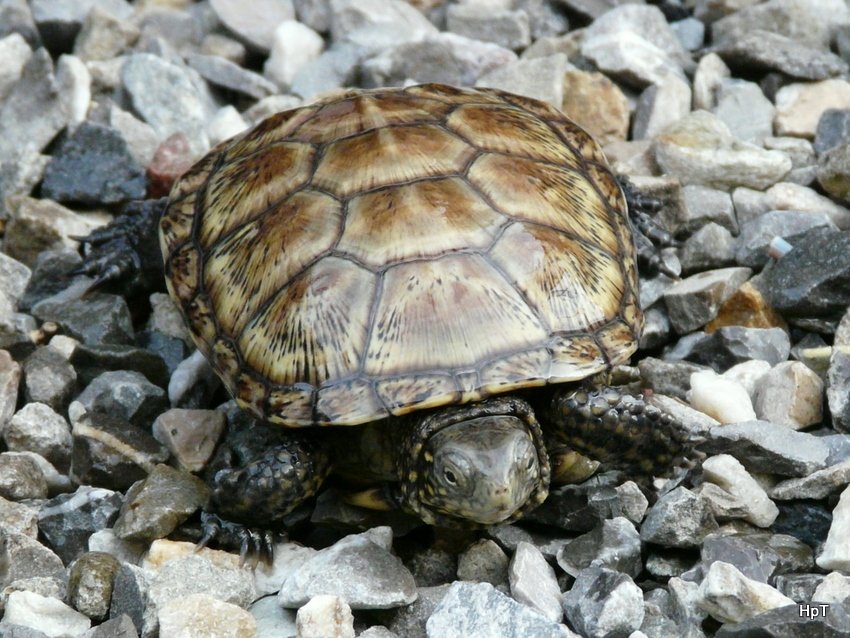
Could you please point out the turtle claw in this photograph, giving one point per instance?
(254, 544)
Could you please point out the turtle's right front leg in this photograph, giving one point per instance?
(259, 484)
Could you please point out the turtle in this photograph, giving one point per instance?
(427, 287)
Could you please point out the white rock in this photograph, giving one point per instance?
(660, 106)
(533, 582)
(325, 617)
(73, 76)
(723, 399)
(378, 24)
(729, 596)
(747, 374)
(226, 123)
(727, 472)
(834, 588)
(294, 45)
(789, 196)
(105, 540)
(791, 394)
(202, 616)
(14, 54)
(710, 73)
(836, 550)
(189, 372)
(539, 78)
(254, 21)
(50, 616)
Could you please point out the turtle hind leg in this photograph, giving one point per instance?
(126, 250)
(617, 429)
(649, 236)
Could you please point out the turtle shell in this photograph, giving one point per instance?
(394, 250)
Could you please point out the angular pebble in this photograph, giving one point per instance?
(50, 616)
(365, 574)
(799, 106)
(790, 394)
(615, 544)
(694, 301)
(680, 518)
(202, 616)
(533, 582)
(728, 473)
(255, 22)
(835, 552)
(483, 561)
(720, 398)
(729, 596)
(90, 582)
(325, 617)
(478, 610)
(294, 45)
(603, 602)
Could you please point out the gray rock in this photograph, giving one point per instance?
(711, 247)
(36, 427)
(294, 46)
(167, 31)
(316, 14)
(21, 477)
(26, 558)
(90, 361)
(710, 74)
(700, 149)
(124, 394)
(165, 96)
(769, 448)
(378, 24)
(33, 112)
(660, 105)
(533, 582)
(410, 621)
(680, 518)
(729, 596)
(838, 389)
(477, 610)
(97, 318)
(197, 574)
(68, 520)
(691, 33)
(539, 78)
(273, 621)
(365, 574)
(703, 205)
(790, 394)
(229, 75)
(334, 68)
(733, 344)
(833, 130)
(742, 106)
(130, 598)
(507, 28)
(16, 52)
(190, 435)
(798, 587)
(635, 43)
(757, 234)
(153, 508)
(120, 627)
(603, 602)
(694, 301)
(667, 377)
(483, 561)
(17, 518)
(788, 622)
(656, 328)
(254, 23)
(59, 21)
(760, 556)
(614, 544)
(803, 163)
(104, 36)
(545, 19)
(443, 57)
(832, 171)
(764, 50)
(810, 23)
(49, 378)
(431, 567)
(16, 17)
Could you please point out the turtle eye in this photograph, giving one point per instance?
(530, 464)
(450, 477)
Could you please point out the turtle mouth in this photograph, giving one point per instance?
(475, 465)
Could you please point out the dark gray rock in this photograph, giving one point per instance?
(694, 301)
(90, 361)
(680, 519)
(838, 390)
(66, 521)
(591, 608)
(49, 378)
(432, 567)
(120, 627)
(833, 130)
(832, 171)
(97, 318)
(93, 166)
(808, 521)
(110, 452)
(226, 74)
(409, 621)
(667, 377)
(567, 507)
(50, 275)
(125, 394)
(335, 67)
(734, 344)
(798, 587)
(130, 598)
(170, 350)
(764, 50)
(756, 234)
(813, 279)
(615, 544)
(712, 246)
(767, 447)
(154, 507)
(477, 610)
(760, 556)
(483, 561)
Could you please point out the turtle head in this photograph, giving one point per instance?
(477, 465)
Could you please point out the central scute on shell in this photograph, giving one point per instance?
(394, 250)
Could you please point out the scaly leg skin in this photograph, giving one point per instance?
(650, 238)
(617, 429)
(253, 497)
(127, 249)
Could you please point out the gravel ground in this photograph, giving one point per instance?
(734, 113)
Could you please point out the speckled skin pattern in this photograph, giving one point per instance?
(398, 250)
(432, 260)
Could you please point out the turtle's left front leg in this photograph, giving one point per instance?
(615, 428)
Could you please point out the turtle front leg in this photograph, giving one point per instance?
(649, 236)
(258, 487)
(615, 428)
